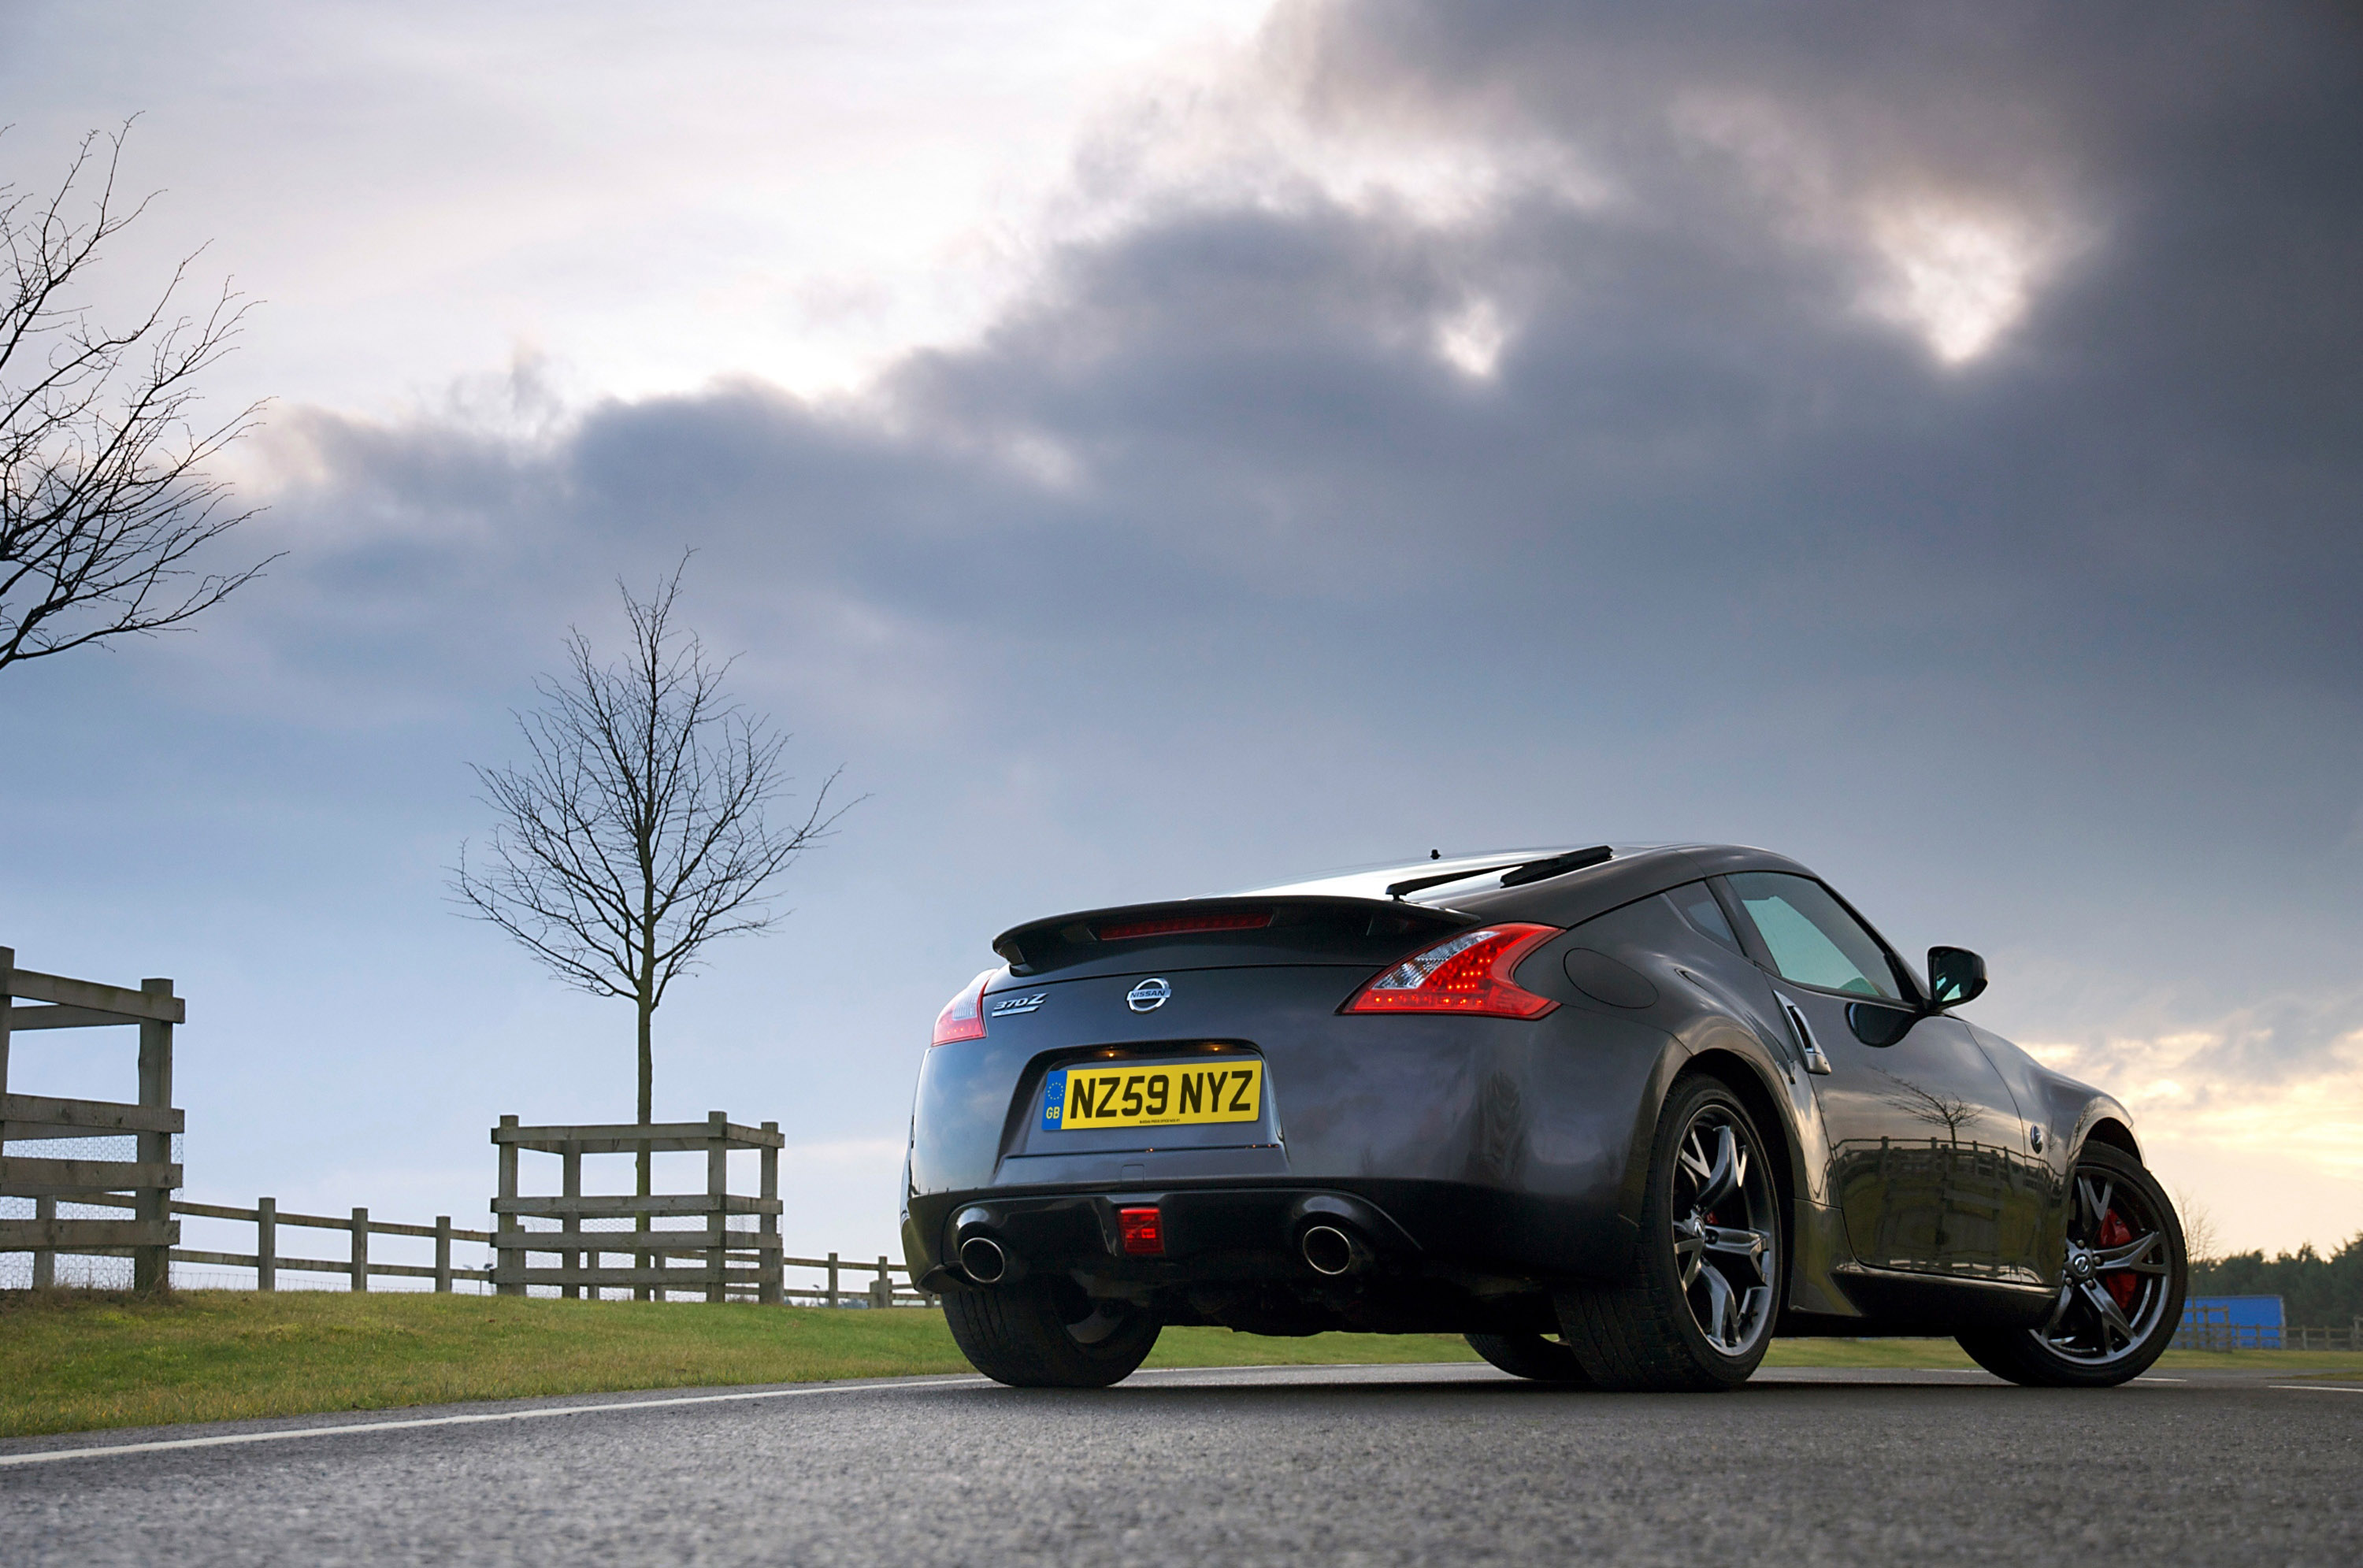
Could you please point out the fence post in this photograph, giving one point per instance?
(570, 1161)
(152, 1267)
(505, 1226)
(644, 1221)
(266, 1243)
(767, 1279)
(717, 1188)
(443, 1254)
(7, 984)
(832, 1281)
(361, 1249)
(883, 1293)
(45, 1261)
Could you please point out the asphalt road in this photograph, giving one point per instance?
(1322, 1465)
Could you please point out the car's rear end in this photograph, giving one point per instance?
(1285, 1113)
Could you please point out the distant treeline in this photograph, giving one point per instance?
(2319, 1292)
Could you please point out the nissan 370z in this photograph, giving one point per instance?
(1621, 1117)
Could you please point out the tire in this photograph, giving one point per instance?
(1531, 1355)
(1046, 1334)
(2108, 1324)
(1712, 1208)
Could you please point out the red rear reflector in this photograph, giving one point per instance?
(1143, 1230)
(1125, 930)
(1466, 974)
(963, 1016)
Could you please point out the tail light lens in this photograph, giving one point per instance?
(963, 1016)
(1143, 1230)
(1468, 973)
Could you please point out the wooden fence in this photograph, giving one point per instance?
(712, 1260)
(716, 1256)
(721, 1261)
(357, 1268)
(143, 1183)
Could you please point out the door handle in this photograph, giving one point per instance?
(1814, 1061)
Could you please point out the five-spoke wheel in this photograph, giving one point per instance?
(2121, 1284)
(1699, 1310)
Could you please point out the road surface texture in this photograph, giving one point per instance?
(1396, 1465)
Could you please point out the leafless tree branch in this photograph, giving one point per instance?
(103, 493)
(2199, 1243)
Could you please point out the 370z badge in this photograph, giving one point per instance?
(1147, 995)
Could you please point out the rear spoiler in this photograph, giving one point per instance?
(1220, 931)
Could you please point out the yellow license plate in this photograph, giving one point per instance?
(1153, 1094)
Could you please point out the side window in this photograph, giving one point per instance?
(1697, 904)
(1814, 941)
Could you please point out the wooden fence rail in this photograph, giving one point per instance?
(357, 1266)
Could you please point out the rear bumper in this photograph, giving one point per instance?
(1480, 1238)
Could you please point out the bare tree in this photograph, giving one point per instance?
(104, 495)
(1947, 1111)
(638, 831)
(2199, 1239)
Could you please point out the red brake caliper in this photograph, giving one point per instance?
(2122, 1284)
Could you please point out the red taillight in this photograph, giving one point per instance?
(1143, 1230)
(963, 1016)
(1178, 925)
(1468, 974)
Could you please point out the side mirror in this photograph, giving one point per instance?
(1956, 974)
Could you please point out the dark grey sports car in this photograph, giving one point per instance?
(1620, 1116)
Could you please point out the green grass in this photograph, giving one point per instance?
(1945, 1352)
(1867, 1353)
(1221, 1347)
(2280, 1362)
(71, 1361)
(77, 1361)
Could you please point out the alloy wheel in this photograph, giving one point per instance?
(1726, 1236)
(2116, 1279)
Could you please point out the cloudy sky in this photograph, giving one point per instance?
(1159, 449)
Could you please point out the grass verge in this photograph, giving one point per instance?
(76, 1361)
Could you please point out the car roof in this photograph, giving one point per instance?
(1634, 869)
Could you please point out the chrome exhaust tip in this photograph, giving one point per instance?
(982, 1260)
(1330, 1250)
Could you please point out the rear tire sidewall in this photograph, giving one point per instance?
(1018, 1334)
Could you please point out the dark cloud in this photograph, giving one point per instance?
(1226, 435)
